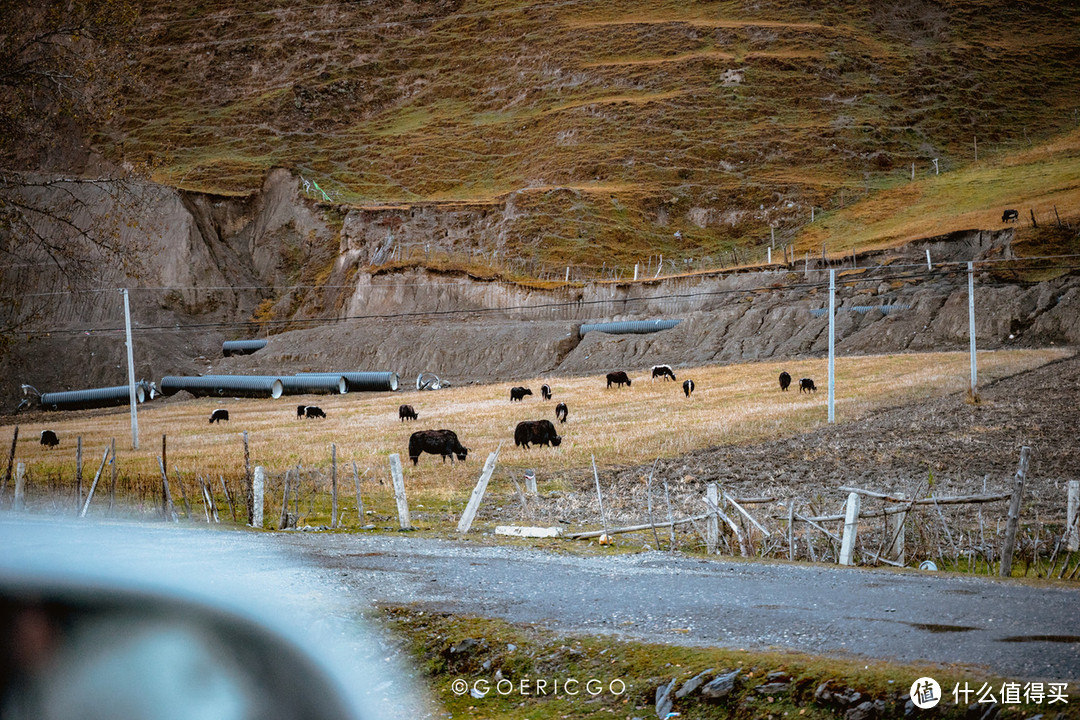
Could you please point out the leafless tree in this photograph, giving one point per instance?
(63, 67)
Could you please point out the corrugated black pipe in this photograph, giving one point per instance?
(92, 398)
(363, 381)
(241, 347)
(630, 326)
(314, 385)
(254, 386)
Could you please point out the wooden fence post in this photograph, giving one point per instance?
(10, 465)
(256, 489)
(712, 524)
(894, 528)
(1009, 545)
(249, 490)
(20, 488)
(166, 496)
(851, 527)
(112, 484)
(599, 495)
(283, 519)
(399, 492)
(333, 485)
(78, 473)
(791, 529)
(478, 493)
(93, 485)
(228, 499)
(359, 500)
(1071, 534)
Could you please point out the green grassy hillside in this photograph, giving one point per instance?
(609, 125)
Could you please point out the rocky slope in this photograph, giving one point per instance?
(217, 268)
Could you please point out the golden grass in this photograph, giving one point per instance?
(732, 404)
(1039, 179)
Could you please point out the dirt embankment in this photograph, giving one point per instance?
(212, 264)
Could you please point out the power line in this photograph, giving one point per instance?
(940, 272)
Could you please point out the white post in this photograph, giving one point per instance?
(131, 374)
(929, 265)
(258, 489)
(894, 526)
(772, 236)
(530, 482)
(712, 525)
(851, 526)
(635, 270)
(20, 488)
(1071, 534)
(770, 256)
(937, 170)
(478, 493)
(832, 346)
(971, 326)
(912, 171)
(399, 492)
(811, 213)
(567, 273)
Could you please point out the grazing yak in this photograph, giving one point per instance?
(517, 393)
(545, 392)
(406, 412)
(49, 439)
(619, 378)
(688, 387)
(537, 432)
(313, 411)
(561, 411)
(1010, 215)
(219, 415)
(663, 371)
(807, 385)
(436, 442)
(785, 380)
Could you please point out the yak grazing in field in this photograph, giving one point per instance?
(436, 442)
(219, 415)
(537, 432)
(406, 412)
(619, 378)
(663, 371)
(1010, 215)
(807, 385)
(561, 411)
(49, 439)
(785, 380)
(313, 411)
(688, 387)
(545, 392)
(517, 393)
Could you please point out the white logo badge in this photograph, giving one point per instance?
(925, 693)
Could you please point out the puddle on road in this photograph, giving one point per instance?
(928, 627)
(1043, 638)
(935, 628)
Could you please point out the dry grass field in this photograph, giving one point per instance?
(732, 405)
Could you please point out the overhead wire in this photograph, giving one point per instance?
(942, 271)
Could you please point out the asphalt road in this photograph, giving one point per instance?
(1009, 628)
(1016, 630)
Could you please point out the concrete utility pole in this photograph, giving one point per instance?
(971, 327)
(131, 374)
(832, 346)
